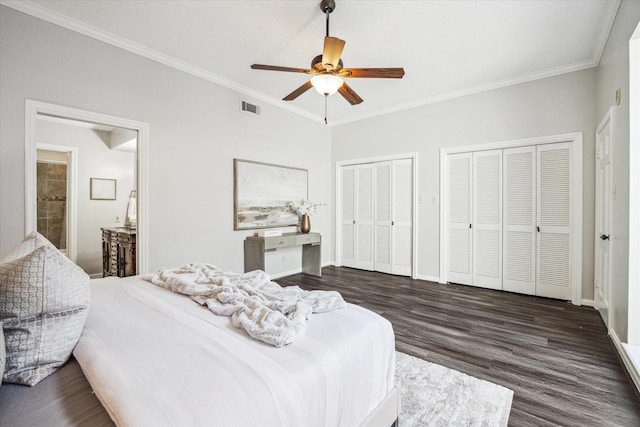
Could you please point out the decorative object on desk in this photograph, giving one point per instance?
(261, 191)
(131, 219)
(304, 208)
(103, 189)
(305, 224)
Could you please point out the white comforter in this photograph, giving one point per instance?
(267, 311)
(154, 358)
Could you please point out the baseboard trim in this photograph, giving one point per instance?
(588, 302)
(428, 278)
(626, 359)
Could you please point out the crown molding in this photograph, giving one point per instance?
(608, 18)
(41, 12)
(525, 78)
(83, 28)
(606, 24)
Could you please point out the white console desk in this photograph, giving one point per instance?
(255, 248)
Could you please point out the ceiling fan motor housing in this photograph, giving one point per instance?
(317, 64)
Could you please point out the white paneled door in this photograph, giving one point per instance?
(487, 219)
(401, 220)
(357, 216)
(383, 218)
(553, 263)
(376, 216)
(603, 218)
(348, 216)
(458, 215)
(519, 220)
(364, 238)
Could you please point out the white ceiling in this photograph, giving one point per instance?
(447, 48)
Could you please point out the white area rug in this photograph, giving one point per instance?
(433, 395)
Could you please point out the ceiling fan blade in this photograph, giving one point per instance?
(296, 93)
(332, 51)
(376, 73)
(349, 94)
(277, 68)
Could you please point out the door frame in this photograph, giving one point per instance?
(414, 200)
(576, 141)
(32, 109)
(633, 297)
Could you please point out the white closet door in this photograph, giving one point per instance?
(364, 216)
(348, 217)
(519, 221)
(487, 219)
(553, 250)
(382, 217)
(459, 218)
(401, 225)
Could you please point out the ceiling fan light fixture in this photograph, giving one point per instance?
(326, 84)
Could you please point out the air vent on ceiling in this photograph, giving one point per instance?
(250, 108)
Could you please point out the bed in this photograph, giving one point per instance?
(155, 357)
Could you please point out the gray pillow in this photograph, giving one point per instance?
(44, 301)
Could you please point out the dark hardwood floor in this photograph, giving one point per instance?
(556, 357)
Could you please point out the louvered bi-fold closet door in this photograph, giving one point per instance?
(487, 219)
(458, 216)
(383, 217)
(519, 220)
(553, 272)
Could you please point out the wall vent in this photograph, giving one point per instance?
(250, 108)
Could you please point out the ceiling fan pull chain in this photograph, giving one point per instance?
(326, 96)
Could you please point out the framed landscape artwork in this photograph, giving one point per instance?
(261, 192)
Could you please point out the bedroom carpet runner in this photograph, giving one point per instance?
(433, 395)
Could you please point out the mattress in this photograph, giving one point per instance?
(154, 357)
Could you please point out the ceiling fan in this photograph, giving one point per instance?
(328, 71)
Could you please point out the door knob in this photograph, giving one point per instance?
(604, 236)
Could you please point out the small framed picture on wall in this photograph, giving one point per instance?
(103, 189)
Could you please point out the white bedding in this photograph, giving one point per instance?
(155, 358)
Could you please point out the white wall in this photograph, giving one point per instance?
(613, 73)
(95, 160)
(556, 105)
(196, 129)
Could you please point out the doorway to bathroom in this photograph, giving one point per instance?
(55, 169)
(82, 169)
